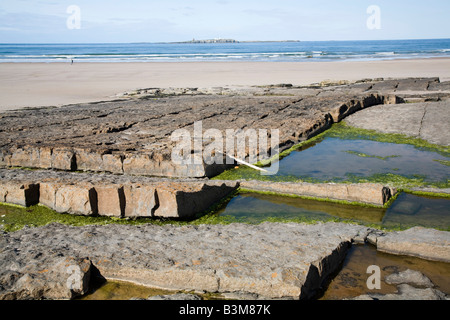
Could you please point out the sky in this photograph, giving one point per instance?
(120, 21)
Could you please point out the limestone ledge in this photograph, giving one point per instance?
(111, 195)
(420, 242)
(133, 137)
(369, 193)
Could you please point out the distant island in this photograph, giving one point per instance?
(210, 41)
(219, 40)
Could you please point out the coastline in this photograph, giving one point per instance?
(53, 84)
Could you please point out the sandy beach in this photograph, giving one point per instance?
(54, 84)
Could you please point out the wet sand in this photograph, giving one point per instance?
(47, 84)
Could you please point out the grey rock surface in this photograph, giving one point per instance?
(418, 241)
(58, 277)
(134, 136)
(406, 292)
(176, 296)
(270, 260)
(371, 193)
(426, 120)
(411, 285)
(413, 277)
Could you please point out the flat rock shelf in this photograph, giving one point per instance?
(132, 135)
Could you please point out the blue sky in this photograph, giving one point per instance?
(44, 21)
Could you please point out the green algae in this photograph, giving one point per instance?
(124, 290)
(297, 147)
(398, 181)
(364, 155)
(443, 162)
(427, 193)
(343, 131)
(339, 211)
(388, 179)
(14, 217)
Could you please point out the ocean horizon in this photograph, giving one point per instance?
(285, 51)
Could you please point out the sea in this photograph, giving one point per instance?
(241, 51)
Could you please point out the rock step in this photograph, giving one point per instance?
(370, 193)
(79, 159)
(110, 195)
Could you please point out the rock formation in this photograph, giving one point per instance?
(114, 159)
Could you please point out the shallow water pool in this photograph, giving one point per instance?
(121, 290)
(351, 280)
(408, 210)
(339, 159)
(334, 159)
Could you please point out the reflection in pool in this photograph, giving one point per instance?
(407, 210)
(340, 158)
(411, 210)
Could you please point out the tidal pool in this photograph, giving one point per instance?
(408, 210)
(341, 159)
(351, 280)
(356, 160)
(121, 290)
